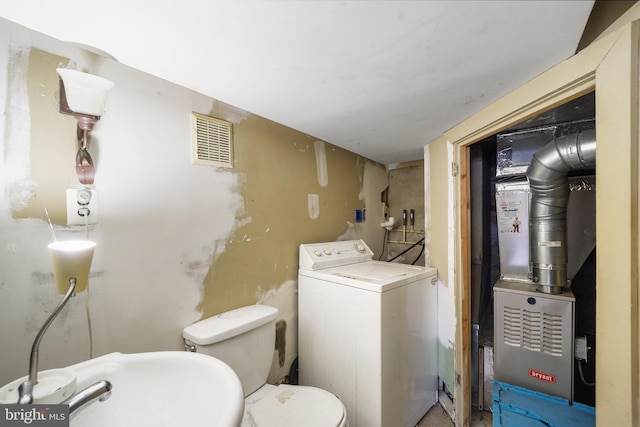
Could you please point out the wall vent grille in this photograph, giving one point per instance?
(211, 141)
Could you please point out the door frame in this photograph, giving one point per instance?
(609, 66)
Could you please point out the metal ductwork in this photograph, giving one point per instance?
(548, 181)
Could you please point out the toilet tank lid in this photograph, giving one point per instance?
(229, 324)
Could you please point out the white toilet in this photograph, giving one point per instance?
(245, 339)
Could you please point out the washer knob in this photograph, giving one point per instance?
(327, 252)
(360, 248)
(317, 253)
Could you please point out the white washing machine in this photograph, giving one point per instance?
(367, 332)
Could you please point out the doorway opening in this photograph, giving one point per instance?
(500, 247)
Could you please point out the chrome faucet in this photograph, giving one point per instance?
(99, 391)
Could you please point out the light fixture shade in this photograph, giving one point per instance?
(86, 93)
(71, 259)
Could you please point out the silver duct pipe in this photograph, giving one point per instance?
(549, 184)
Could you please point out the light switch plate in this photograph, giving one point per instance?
(82, 206)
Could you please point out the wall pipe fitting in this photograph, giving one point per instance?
(404, 225)
(549, 184)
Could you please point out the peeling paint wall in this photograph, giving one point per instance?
(176, 242)
(438, 210)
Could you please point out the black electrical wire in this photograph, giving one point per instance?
(588, 384)
(419, 255)
(408, 249)
(384, 243)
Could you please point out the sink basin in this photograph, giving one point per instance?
(166, 388)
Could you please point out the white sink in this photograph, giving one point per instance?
(166, 388)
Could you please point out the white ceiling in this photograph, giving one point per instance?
(379, 78)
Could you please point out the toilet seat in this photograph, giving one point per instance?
(295, 406)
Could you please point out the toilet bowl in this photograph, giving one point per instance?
(293, 405)
(244, 339)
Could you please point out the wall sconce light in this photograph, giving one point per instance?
(71, 262)
(83, 96)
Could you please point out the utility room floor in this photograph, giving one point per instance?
(438, 417)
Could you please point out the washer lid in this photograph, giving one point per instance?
(374, 276)
(295, 406)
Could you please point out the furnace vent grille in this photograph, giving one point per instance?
(512, 326)
(533, 330)
(552, 341)
(211, 141)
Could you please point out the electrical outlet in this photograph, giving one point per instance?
(580, 348)
(82, 206)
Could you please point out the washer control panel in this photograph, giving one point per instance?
(314, 256)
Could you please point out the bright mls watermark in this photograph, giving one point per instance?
(34, 415)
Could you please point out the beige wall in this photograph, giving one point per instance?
(603, 14)
(610, 67)
(278, 170)
(176, 242)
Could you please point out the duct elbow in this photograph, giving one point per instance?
(563, 154)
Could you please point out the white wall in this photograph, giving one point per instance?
(162, 222)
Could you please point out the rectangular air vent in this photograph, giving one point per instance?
(211, 141)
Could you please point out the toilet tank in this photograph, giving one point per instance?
(243, 338)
